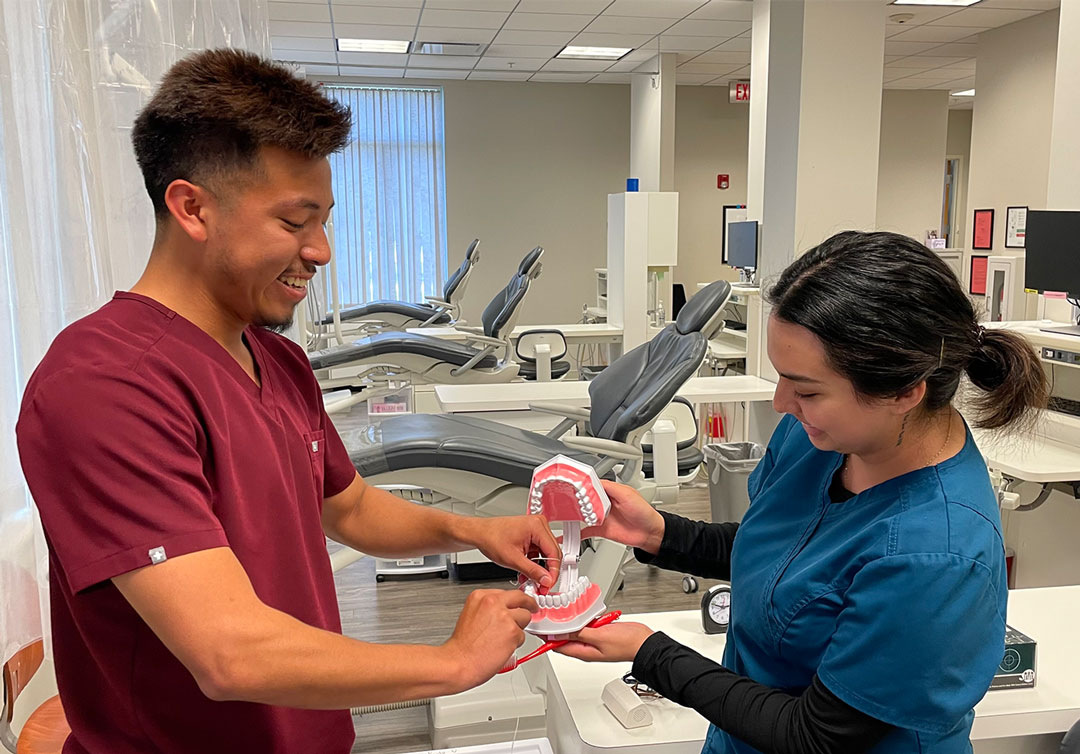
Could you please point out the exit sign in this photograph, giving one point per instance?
(738, 91)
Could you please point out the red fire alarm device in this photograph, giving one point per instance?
(722, 181)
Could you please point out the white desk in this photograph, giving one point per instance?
(574, 334)
(579, 724)
(516, 396)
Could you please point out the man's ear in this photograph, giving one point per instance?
(188, 204)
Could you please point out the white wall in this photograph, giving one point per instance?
(710, 138)
(958, 144)
(911, 160)
(1011, 121)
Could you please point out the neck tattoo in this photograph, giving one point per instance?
(903, 426)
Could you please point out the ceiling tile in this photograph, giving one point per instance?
(685, 57)
(561, 6)
(320, 70)
(489, 63)
(434, 73)
(897, 73)
(479, 75)
(350, 70)
(657, 8)
(687, 44)
(309, 2)
(628, 66)
(717, 82)
(738, 44)
(988, 18)
(575, 66)
(907, 48)
(443, 34)
(693, 78)
(300, 29)
(716, 69)
(372, 14)
(370, 31)
(1020, 4)
(915, 82)
(612, 78)
(923, 14)
(567, 78)
(629, 24)
(463, 19)
(504, 6)
(460, 62)
(395, 3)
(707, 28)
(516, 37)
(955, 49)
(325, 44)
(522, 51)
(926, 61)
(305, 56)
(299, 12)
(379, 59)
(726, 10)
(721, 56)
(611, 40)
(939, 34)
(547, 22)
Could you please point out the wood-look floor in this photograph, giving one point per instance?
(424, 611)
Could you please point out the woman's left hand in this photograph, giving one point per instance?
(616, 642)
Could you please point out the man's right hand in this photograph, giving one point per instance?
(631, 520)
(488, 631)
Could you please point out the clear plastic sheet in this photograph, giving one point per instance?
(75, 222)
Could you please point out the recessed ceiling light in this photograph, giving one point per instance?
(594, 53)
(372, 45)
(965, 93)
(944, 3)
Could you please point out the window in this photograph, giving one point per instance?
(390, 194)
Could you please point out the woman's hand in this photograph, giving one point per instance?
(617, 642)
(631, 521)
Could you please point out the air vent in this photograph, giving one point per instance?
(448, 48)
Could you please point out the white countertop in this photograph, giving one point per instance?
(574, 332)
(516, 396)
(1050, 616)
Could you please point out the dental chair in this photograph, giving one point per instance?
(400, 315)
(483, 467)
(417, 358)
(539, 354)
(688, 457)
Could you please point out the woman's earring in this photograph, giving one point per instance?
(900, 437)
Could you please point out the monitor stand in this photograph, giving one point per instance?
(1073, 330)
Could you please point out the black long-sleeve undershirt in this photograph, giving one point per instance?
(770, 720)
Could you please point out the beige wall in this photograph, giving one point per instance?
(710, 138)
(958, 144)
(911, 160)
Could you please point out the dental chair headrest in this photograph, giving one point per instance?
(704, 311)
(472, 253)
(530, 265)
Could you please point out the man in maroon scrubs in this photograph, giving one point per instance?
(187, 475)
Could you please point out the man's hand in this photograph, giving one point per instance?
(488, 631)
(617, 642)
(631, 521)
(512, 541)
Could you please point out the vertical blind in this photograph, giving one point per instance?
(390, 194)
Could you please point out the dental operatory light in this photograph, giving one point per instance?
(372, 45)
(964, 93)
(593, 53)
(942, 3)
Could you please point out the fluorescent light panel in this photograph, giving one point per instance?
(965, 93)
(593, 53)
(372, 45)
(943, 3)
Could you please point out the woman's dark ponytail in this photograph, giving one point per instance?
(1011, 384)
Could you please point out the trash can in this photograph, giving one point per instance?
(729, 465)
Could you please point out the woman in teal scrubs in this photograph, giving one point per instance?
(868, 576)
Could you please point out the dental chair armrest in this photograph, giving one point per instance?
(560, 409)
(610, 448)
(481, 338)
(438, 302)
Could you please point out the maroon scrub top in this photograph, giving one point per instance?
(142, 439)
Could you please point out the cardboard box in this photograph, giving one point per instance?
(1017, 668)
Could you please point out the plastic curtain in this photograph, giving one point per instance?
(75, 222)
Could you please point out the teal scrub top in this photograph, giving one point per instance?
(895, 598)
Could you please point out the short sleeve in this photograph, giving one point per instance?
(340, 471)
(917, 641)
(116, 472)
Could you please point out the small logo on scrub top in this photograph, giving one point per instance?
(314, 446)
(157, 555)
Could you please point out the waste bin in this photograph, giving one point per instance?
(729, 464)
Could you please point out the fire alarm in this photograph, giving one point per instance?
(722, 181)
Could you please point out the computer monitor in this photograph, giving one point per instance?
(1052, 251)
(742, 243)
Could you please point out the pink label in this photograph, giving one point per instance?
(1055, 294)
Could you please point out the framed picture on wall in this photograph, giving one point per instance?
(733, 213)
(977, 276)
(1015, 227)
(982, 234)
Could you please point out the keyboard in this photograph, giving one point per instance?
(733, 325)
(1064, 406)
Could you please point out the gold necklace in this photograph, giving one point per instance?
(948, 436)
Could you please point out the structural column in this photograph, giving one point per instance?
(652, 124)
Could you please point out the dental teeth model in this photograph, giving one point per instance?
(569, 492)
